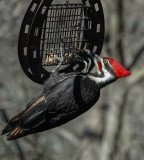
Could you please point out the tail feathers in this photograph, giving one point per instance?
(15, 133)
(7, 129)
(12, 123)
(13, 126)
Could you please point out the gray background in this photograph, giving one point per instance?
(111, 130)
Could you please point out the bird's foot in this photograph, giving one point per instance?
(60, 59)
(87, 63)
(96, 61)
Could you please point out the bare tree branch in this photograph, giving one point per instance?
(136, 58)
(117, 30)
(136, 77)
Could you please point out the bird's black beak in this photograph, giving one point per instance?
(96, 59)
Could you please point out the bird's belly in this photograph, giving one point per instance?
(68, 106)
(69, 111)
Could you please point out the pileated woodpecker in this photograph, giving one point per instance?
(64, 98)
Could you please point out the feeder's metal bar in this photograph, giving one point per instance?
(44, 31)
(48, 36)
(67, 33)
(69, 6)
(54, 28)
(77, 41)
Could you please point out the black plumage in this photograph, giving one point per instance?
(64, 98)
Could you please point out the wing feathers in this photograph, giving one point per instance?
(12, 126)
(15, 133)
(36, 103)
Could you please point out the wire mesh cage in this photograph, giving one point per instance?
(77, 25)
(64, 24)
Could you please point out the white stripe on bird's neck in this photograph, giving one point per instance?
(104, 80)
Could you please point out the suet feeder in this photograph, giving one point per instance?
(48, 24)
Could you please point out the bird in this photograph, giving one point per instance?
(64, 98)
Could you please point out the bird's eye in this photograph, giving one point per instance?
(105, 61)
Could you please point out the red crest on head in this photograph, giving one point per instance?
(119, 70)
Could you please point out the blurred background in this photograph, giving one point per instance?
(111, 130)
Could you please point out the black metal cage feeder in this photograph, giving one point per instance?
(78, 25)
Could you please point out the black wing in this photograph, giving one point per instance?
(66, 100)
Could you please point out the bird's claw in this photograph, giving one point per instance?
(96, 59)
(60, 59)
(95, 56)
(87, 64)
